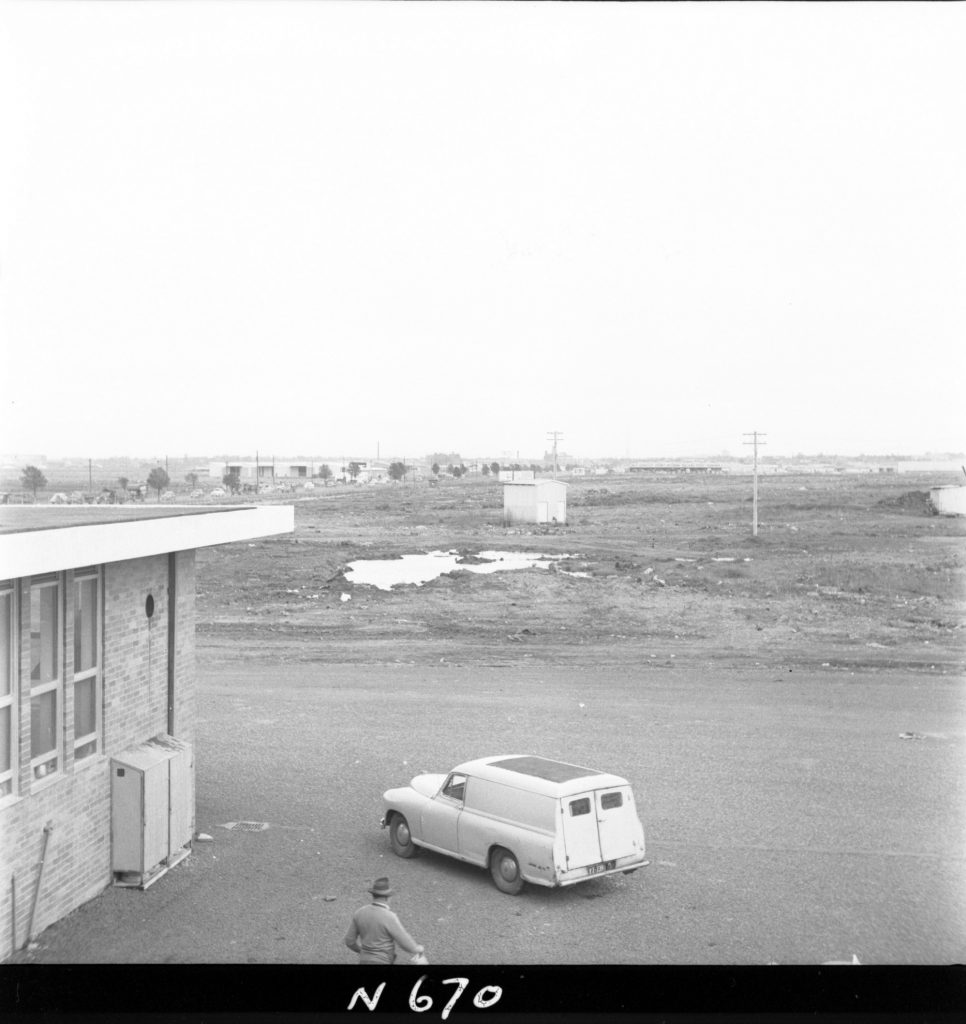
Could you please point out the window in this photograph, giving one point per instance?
(46, 681)
(455, 787)
(610, 800)
(87, 660)
(8, 694)
(581, 806)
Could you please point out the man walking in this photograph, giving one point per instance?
(375, 930)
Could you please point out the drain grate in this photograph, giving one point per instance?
(246, 826)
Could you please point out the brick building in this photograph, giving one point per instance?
(96, 659)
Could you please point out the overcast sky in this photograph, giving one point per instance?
(331, 227)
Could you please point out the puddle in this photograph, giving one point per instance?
(387, 573)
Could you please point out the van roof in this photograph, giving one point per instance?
(539, 774)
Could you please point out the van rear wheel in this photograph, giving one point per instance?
(505, 871)
(399, 838)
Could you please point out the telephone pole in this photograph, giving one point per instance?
(754, 435)
(553, 436)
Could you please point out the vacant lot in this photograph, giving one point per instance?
(846, 572)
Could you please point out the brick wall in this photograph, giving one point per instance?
(75, 802)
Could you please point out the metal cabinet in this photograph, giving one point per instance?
(152, 810)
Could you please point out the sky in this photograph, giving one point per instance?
(401, 228)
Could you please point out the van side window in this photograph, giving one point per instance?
(609, 800)
(455, 787)
(581, 806)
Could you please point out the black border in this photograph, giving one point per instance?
(219, 993)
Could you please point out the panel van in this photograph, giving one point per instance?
(522, 817)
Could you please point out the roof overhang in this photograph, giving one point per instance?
(32, 552)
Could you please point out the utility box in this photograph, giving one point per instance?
(152, 810)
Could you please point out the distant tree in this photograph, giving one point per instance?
(457, 471)
(354, 470)
(535, 468)
(230, 480)
(122, 482)
(32, 479)
(435, 468)
(325, 474)
(398, 470)
(495, 468)
(191, 479)
(158, 479)
(486, 469)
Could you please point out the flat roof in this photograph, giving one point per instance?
(24, 518)
(36, 539)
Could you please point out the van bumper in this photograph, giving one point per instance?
(586, 873)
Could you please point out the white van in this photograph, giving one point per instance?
(524, 818)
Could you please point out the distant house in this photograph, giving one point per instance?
(97, 683)
(534, 501)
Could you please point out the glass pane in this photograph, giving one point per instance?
(6, 641)
(5, 739)
(579, 807)
(43, 723)
(611, 800)
(85, 751)
(43, 633)
(85, 709)
(85, 624)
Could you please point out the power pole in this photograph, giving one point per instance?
(553, 436)
(90, 475)
(257, 473)
(754, 435)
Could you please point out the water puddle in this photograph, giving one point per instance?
(387, 573)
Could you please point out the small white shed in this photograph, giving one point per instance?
(534, 501)
(949, 500)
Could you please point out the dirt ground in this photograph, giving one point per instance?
(789, 708)
(846, 572)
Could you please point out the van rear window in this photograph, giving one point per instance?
(581, 806)
(610, 800)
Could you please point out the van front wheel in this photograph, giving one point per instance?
(505, 871)
(399, 838)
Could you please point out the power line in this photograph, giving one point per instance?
(553, 436)
(754, 435)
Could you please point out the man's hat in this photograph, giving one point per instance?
(380, 887)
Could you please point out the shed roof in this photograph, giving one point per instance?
(48, 538)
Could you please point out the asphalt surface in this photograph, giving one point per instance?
(788, 820)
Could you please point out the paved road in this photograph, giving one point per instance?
(787, 821)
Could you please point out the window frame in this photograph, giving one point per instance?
(92, 572)
(55, 685)
(453, 776)
(11, 700)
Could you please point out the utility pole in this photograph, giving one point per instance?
(553, 436)
(256, 471)
(90, 475)
(754, 435)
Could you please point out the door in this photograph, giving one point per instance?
(615, 809)
(440, 817)
(543, 511)
(581, 841)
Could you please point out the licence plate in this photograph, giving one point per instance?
(597, 869)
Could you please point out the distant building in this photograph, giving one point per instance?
(534, 501)
(675, 468)
(97, 684)
(520, 475)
